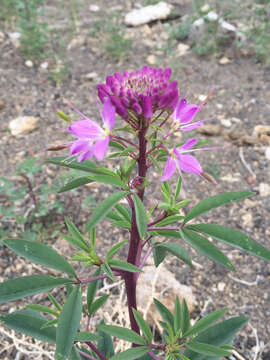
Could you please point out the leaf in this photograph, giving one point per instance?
(68, 324)
(40, 254)
(185, 317)
(167, 233)
(217, 335)
(29, 285)
(177, 315)
(78, 239)
(29, 323)
(106, 268)
(164, 312)
(49, 323)
(104, 208)
(205, 322)
(124, 212)
(176, 250)
(123, 333)
(123, 265)
(131, 354)
(207, 349)
(159, 255)
(169, 220)
(54, 301)
(74, 355)
(214, 202)
(92, 289)
(143, 325)
(234, 238)
(41, 308)
(97, 304)
(105, 344)
(178, 188)
(84, 336)
(114, 250)
(141, 216)
(82, 180)
(110, 180)
(205, 247)
(87, 165)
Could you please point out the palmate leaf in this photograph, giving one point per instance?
(29, 285)
(214, 202)
(68, 324)
(141, 216)
(234, 238)
(123, 333)
(40, 254)
(104, 208)
(30, 323)
(205, 247)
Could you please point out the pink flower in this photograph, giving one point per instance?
(92, 138)
(184, 114)
(178, 160)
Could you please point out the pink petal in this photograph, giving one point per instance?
(86, 129)
(100, 148)
(86, 155)
(108, 114)
(188, 113)
(189, 144)
(189, 164)
(79, 146)
(192, 126)
(180, 107)
(169, 169)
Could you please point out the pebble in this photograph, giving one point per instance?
(227, 27)
(212, 16)
(267, 150)
(182, 49)
(226, 123)
(90, 76)
(23, 125)
(221, 286)
(147, 14)
(251, 179)
(2, 36)
(14, 38)
(44, 65)
(198, 24)
(151, 59)
(264, 189)
(94, 8)
(2, 104)
(224, 61)
(202, 97)
(29, 63)
(205, 8)
(76, 42)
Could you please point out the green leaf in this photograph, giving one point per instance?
(177, 315)
(123, 265)
(217, 335)
(167, 233)
(54, 302)
(87, 165)
(30, 323)
(41, 308)
(185, 317)
(164, 312)
(105, 344)
(68, 324)
(178, 188)
(97, 304)
(106, 268)
(205, 247)
(124, 212)
(77, 237)
(143, 326)
(123, 333)
(74, 355)
(141, 216)
(104, 208)
(234, 238)
(131, 354)
(214, 202)
(82, 180)
(84, 336)
(29, 285)
(169, 220)
(92, 289)
(207, 349)
(114, 250)
(40, 254)
(49, 323)
(205, 322)
(159, 255)
(110, 180)
(176, 250)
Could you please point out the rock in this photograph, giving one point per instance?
(94, 8)
(2, 104)
(221, 286)
(227, 27)
(262, 132)
(151, 59)
(202, 97)
(44, 65)
(226, 123)
(2, 36)
(209, 129)
(182, 49)
(90, 76)
(264, 189)
(212, 16)
(14, 38)
(198, 24)
(23, 125)
(146, 14)
(205, 8)
(76, 42)
(152, 283)
(247, 220)
(250, 179)
(29, 63)
(224, 61)
(267, 150)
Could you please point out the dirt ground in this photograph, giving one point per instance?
(242, 93)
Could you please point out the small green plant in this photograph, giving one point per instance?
(181, 32)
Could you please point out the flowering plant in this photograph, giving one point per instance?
(148, 104)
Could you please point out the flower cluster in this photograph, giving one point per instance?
(136, 96)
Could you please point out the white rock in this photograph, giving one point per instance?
(219, 106)
(202, 97)
(212, 16)
(226, 123)
(15, 38)
(267, 153)
(221, 286)
(227, 26)
(151, 59)
(94, 8)
(90, 76)
(146, 14)
(182, 49)
(205, 8)
(23, 125)
(264, 189)
(29, 63)
(224, 61)
(44, 65)
(198, 24)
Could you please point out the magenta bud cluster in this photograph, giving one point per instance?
(142, 92)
